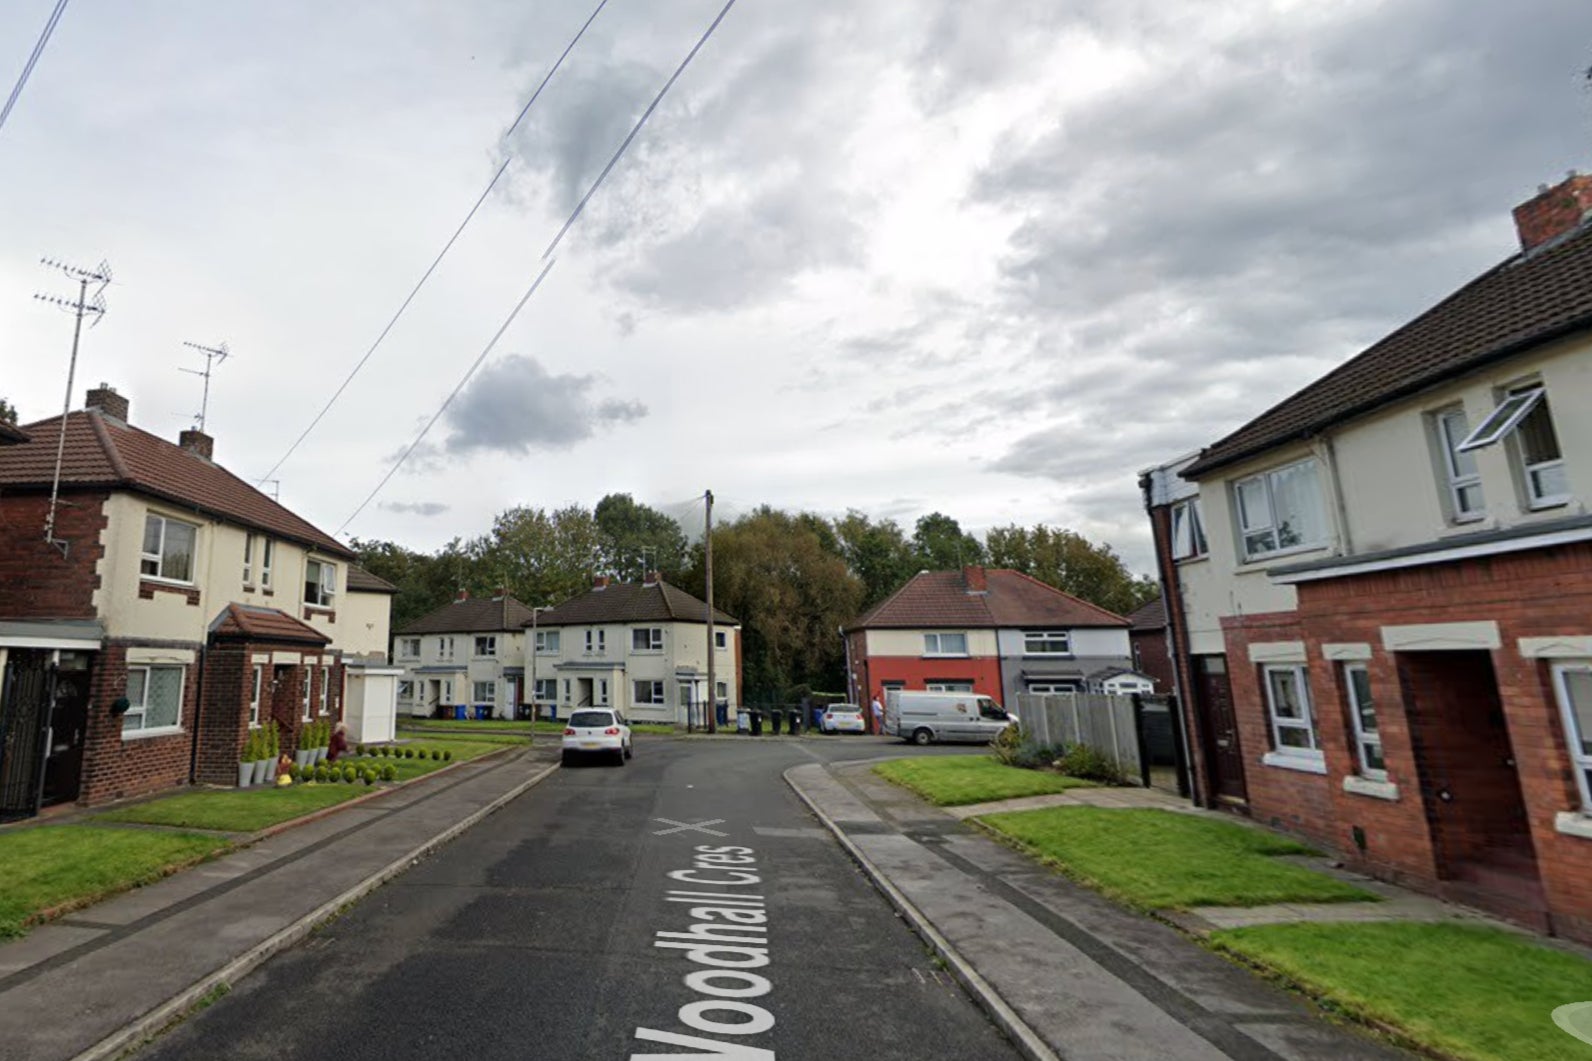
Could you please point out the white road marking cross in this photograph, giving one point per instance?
(680, 827)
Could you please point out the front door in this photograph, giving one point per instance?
(63, 766)
(24, 725)
(1223, 754)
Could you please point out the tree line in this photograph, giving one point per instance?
(792, 579)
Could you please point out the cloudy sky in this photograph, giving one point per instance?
(990, 257)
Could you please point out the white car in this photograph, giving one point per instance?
(843, 718)
(597, 731)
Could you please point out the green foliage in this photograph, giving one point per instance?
(877, 553)
(1071, 563)
(321, 772)
(359, 749)
(447, 755)
(8, 412)
(940, 544)
(349, 774)
(1083, 761)
(273, 740)
(539, 555)
(956, 780)
(1006, 746)
(389, 772)
(436, 755)
(409, 753)
(628, 531)
(368, 776)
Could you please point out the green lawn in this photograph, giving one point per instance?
(1162, 860)
(1464, 991)
(469, 726)
(49, 867)
(240, 811)
(952, 781)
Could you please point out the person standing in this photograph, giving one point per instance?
(878, 714)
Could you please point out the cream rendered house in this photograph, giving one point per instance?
(465, 659)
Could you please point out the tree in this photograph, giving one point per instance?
(635, 537)
(538, 556)
(425, 581)
(8, 412)
(877, 553)
(1071, 563)
(939, 544)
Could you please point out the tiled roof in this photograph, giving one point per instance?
(630, 602)
(470, 615)
(11, 433)
(362, 581)
(1149, 616)
(104, 452)
(264, 624)
(941, 599)
(1526, 301)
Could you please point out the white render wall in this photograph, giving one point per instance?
(980, 642)
(684, 645)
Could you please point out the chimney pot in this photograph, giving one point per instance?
(195, 441)
(975, 579)
(464, 595)
(599, 582)
(1554, 212)
(106, 400)
(650, 578)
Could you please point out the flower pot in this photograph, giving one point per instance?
(262, 771)
(245, 775)
(320, 754)
(301, 758)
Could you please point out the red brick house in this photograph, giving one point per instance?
(1147, 635)
(992, 631)
(154, 611)
(1378, 593)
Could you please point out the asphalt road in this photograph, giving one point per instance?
(533, 936)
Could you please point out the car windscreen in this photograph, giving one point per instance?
(591, 719)
(990, 709)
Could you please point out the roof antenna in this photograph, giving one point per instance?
(214, 355)
(84, 305)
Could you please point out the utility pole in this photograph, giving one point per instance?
(100, 275)
(713, 688)
(214, 355)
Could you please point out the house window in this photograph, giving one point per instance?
(1047, 643)
(948, 687)
(648, 693)
(406, 690)
(602, 690)
(267, 557)
(409, 647)
(309, 681)
(945, 644)
(1465, 500)
(1293, 725)
(168, 549)
(1362, 712)
(722, 691)
(485, 693)
(486, 646)
(547, 640)
(154, 697)
(1188, 530)
(545, 691)
(1573, 681)
(326, 687)
(447, 691)
(566, 691)
(1280, 510)
(248, 559)
(646, 639)
(254, 695)
(320, 583)
(1539, 462)
(445, 648)
(721, 639)
(596, 641)
(1054, 688)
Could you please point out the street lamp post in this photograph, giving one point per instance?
(535, 611)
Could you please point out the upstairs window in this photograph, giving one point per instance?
(1047, 643)
(168, 549)
(721, 639)
(1280, 510)
(267, 556)
(409, 647)
(547, 641)
(596, 641)
(486, 646)
(1465, 501)
(1524, 413)
(445, 648)
(248, 559)
(1188, 530)
(320, 583)
(646, 639)
(945, 644)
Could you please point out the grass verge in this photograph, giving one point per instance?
(1161, 860)
(52, 868)
(242, 811)
(952, 781)
(1466, 991)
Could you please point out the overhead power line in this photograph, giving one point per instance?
(508, 158)
(33, 60)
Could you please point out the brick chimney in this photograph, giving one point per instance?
(599, 582)
(650, 578)
(975, 579)
(195, 441)
(106, 400)
(463, 596)
(1555, 211)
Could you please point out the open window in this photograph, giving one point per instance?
(1188, 530)
(1524, 416)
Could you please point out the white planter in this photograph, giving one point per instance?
(301, 758)
(245, 775)
(320, 754)
(262, 771)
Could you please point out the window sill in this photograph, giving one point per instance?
(1049, 655)
(1305, 765)
(326, 609)
(946, 655)
(176, 582)
(150, 734)
(1574, 823)
(1191, 559)
(1365, 786)
(1250, 564)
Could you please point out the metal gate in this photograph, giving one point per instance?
(24, 728)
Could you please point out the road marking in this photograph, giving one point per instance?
(808, 832)
(682, 827)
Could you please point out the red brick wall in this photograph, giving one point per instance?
(1151, 658)
(983, 671)
(36, 581)
(116, 768)
(224, 725)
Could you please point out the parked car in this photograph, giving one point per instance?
(843, 718)
(597, 731)
(923, 718)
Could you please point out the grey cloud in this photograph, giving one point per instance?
(418, 508)
(516, 405)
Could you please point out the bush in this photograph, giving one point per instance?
(359, 750)
(384, 751)
(368, 776)
(1033, 756)
(436, 756)
(389, 772)
(322, 774)
(409, 753)
(447, 755)
(349, 774)
(1005, 747)
(1083, 761)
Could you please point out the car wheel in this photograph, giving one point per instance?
(630, 751)
(566, 759)
(921, 736)
(620, 757)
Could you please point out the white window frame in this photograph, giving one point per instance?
(1512, 411)
(721, 691)
(489, 698)
(325, 583)
(1278, 723)
(934, 643)
(1042, 642)
(602, 691)
(1512, 408)
(548, 642)
(655, 695)
(157, 558)
(651, 635)
(1578, 744)
(326, 688)
(309, 692)
(1243, 517)
(490, 643)
(547, 694)
(599, 637)
(1188, 530)
(409, 648)
(139, 711)
(1364, 740)
(949, 686)
(267, 558)
(406, 691)
(248, 561)
(257, 681)
(721, 639)
(1061, 687)
(447, 691)
(445, 648)
(1457, 482)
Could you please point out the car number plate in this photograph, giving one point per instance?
(590, 744)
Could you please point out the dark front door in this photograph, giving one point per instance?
(1223, 754)
(63, 764)
(24, 725)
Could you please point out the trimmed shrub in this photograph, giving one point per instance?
(447, 755)
(409, 753)
(349, 773)
(359, 750)
(436, 756)
(322, 774)
(1083, 761)
(389, 772)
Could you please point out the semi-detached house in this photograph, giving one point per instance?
(172, 608)
(466, 656)
(1378, 592)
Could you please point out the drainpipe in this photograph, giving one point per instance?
(1172, 596)
(1328, 451)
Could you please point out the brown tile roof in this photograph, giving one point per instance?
(631, 602)
(1149, 616)
(103, 452)
(253, 623)
(940, 599)
(362, 581)
(11, 433)
(1524, 302)
(470, 615)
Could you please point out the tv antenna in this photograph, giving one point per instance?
(214, 355)
(83, 306)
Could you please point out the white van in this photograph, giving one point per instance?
(923, 718)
